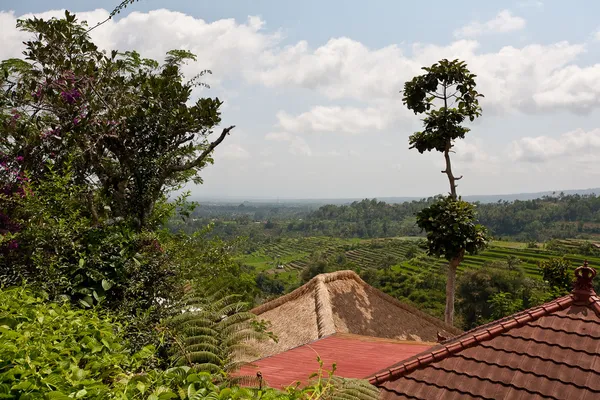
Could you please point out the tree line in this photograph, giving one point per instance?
(549, 217)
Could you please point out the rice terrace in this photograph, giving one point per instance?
(287, 258)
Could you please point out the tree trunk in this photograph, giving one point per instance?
(447, 149)
(451, 287)
(451, 179)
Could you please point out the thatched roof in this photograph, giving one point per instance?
(341, 302)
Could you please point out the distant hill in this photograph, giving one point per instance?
(317, 202)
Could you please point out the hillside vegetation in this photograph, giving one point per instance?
(550, 217)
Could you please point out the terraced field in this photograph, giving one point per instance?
(293, 255)
(288, 251)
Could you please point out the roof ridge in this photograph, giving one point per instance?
(323, 307)
(473, 337)
(307, 287)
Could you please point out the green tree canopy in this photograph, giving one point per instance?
(126, 125)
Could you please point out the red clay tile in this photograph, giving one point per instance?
(548, 352)
(355, 357)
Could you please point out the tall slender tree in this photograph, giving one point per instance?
(446, 95)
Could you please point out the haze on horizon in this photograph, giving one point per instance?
(313, 88)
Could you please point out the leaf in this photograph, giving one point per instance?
(141, 386)
(106, 284)
(87, 301)
(56, 395)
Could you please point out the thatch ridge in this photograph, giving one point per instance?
(323, 308)
(307, 287)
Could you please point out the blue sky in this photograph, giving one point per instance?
(312, 88)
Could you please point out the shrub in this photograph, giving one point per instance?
(49, 350)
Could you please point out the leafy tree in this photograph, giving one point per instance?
(478, 292)
(92, 144)
(121, 122)
(513, 262)
(556, 272)
(447, 96)
(503, 304)
(388, 262)
(412, 252)
(268, 285)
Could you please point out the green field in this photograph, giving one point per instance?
(293, 255)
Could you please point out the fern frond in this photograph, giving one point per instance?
(208, 339)
(214, 331)
(198, 331)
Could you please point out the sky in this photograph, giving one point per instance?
(313, 88)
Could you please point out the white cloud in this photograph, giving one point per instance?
(513, 79)
(267, 164)
(470, 153)
(350, 120)
(576, 143)
(503, 22)
(233, 151)
(222, 46)
(528, 79)
(279, 136)
(297, 145)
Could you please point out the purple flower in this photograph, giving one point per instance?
(75, 121)
(13, 244)
(19, 158)
(70, 96)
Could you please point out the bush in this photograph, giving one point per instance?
(48, 350)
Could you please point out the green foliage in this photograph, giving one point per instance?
(324, 385)
(556, 273)
(451, 228)
(476, 289)
(122, 123)
(48, 350)
(269, 285)
(503, 304)
(442, 125)
(495, 291)
(63, 253)
(214, 332)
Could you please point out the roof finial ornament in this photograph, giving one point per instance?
(583, 287)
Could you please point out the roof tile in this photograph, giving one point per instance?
(355, 357)
(548, 352)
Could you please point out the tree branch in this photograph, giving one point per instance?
(201, 157)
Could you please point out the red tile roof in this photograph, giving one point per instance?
(548, 352)
(355, 357)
